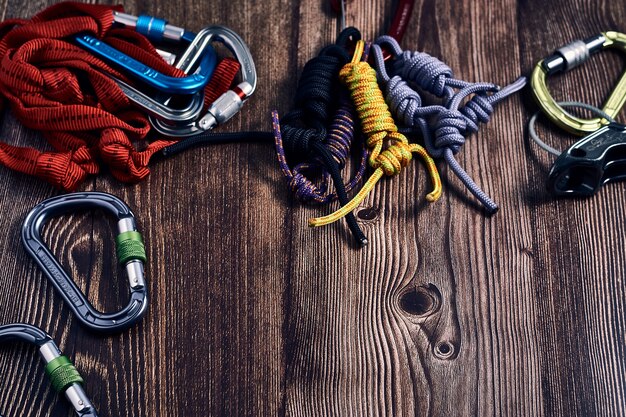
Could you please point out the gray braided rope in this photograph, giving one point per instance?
(443, 127)
(543, 145)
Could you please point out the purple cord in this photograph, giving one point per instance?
(450, 122)
(338, 139)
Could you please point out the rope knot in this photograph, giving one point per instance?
(402, 99)
(444, 132)
(318, 84)
(478, 109)
(376, 120)
(124, 162)
(65, 169)
(377, 124)
(341, 133)
(426, 71)
(299, 140)
(304, 189)
(449, 129)
(317, 95)
(350, 71)
(394, 158)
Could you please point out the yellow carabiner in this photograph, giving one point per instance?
(566, 58)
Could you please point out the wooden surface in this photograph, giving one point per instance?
(445, 313)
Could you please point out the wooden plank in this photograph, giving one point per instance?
(445, 313)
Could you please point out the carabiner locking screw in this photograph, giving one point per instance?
(130, 253)
(151, 27)
(573, 54)
(63, 375)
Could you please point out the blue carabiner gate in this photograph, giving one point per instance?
(130, 253)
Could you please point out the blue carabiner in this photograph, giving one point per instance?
(172, 85)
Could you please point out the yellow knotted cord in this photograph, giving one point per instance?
(377, 125)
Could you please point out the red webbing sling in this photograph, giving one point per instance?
(61, 90)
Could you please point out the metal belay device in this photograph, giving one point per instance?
(598, 158)
(130, 254)
(63, 375)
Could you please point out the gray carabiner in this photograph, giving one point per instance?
(157, 29)
(229, 103)
(63, 375)
(130, 253)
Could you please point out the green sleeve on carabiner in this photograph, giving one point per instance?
(129, 247)
(62, 374)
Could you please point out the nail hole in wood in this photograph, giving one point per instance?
(422, 301)
(369, 213)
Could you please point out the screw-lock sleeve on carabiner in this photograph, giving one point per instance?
(60, 370)
(130, 251)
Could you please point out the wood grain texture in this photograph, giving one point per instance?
(445, 313)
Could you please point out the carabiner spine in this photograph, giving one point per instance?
(160, 110)
(617, 99)
(173, 85)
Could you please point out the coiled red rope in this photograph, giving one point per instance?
(63, 91)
